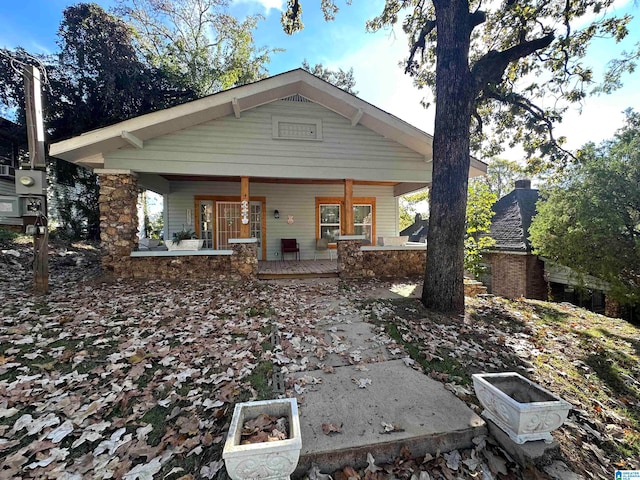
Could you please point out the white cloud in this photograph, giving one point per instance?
(266, 4)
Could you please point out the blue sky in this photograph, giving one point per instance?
(344, 43)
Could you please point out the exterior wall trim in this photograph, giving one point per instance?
(180, 253)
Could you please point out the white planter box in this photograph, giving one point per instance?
(267, 460)
(521, 408)
(184, 244)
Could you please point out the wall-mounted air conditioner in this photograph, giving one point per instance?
(7, 171)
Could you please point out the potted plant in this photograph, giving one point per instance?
(519, 407)
(264, 460)
(184, 240)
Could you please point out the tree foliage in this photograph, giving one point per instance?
(480, 199)
(502, 175)
(340, 78)
(411, 204)
(489, 64)
(519, 54)
(197, 42)
(589, 219)
(99, 77)
(106, 82)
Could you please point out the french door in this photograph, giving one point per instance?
(229, 220)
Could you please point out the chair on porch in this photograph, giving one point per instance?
(322, 245)
(289, 245)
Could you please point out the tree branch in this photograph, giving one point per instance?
(420, 43)
(490, 68)
(526, 105)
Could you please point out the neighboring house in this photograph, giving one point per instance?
(514, 271)
(418, 230)
(310, 160)
(13, 140)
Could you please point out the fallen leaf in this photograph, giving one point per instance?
(390, 428)
(59, 433)
(361, 382)
(329, 428)
(453, 459)
(315, 474)
(209, 471)
(144, 471)
(371, 464)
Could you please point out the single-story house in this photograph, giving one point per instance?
(287, 157)
(13, 142)
(515, 271)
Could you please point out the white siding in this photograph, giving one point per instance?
(288, 199)
(244, 146)
(7, 187)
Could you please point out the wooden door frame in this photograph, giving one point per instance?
(231, 198)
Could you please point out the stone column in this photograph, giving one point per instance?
(118, 217)
(350, 256)
(612, 308)
(244, 261)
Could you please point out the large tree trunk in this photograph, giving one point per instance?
(443, 283)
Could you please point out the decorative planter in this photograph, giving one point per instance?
(195, 244)
(267, 460)
(521, 408)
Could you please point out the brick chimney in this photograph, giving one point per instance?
(525, 183)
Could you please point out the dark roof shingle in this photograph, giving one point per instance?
(512, 219)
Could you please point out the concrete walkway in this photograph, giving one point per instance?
(371, 387)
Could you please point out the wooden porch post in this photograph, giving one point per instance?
(348, 207)
(245, 227)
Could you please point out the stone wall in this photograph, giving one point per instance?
(392, 263)
(241, 265)
(118, 218)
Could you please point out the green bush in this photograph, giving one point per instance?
(7, 235)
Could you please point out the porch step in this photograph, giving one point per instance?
(291, 269)
(301, 275)
(428, 417)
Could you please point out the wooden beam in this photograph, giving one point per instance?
(348, 207)
(245, 226)
(404, 188)
(236, 107)
(132, 140)
(356, 117)
(283, 181)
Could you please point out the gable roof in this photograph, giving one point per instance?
(89, 148)
(512, 219)
(418, 230)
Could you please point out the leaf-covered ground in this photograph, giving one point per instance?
(589, 360)
(137, 380)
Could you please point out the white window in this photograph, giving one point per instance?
(330, 221)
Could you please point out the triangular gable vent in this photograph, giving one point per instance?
(297, 98)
